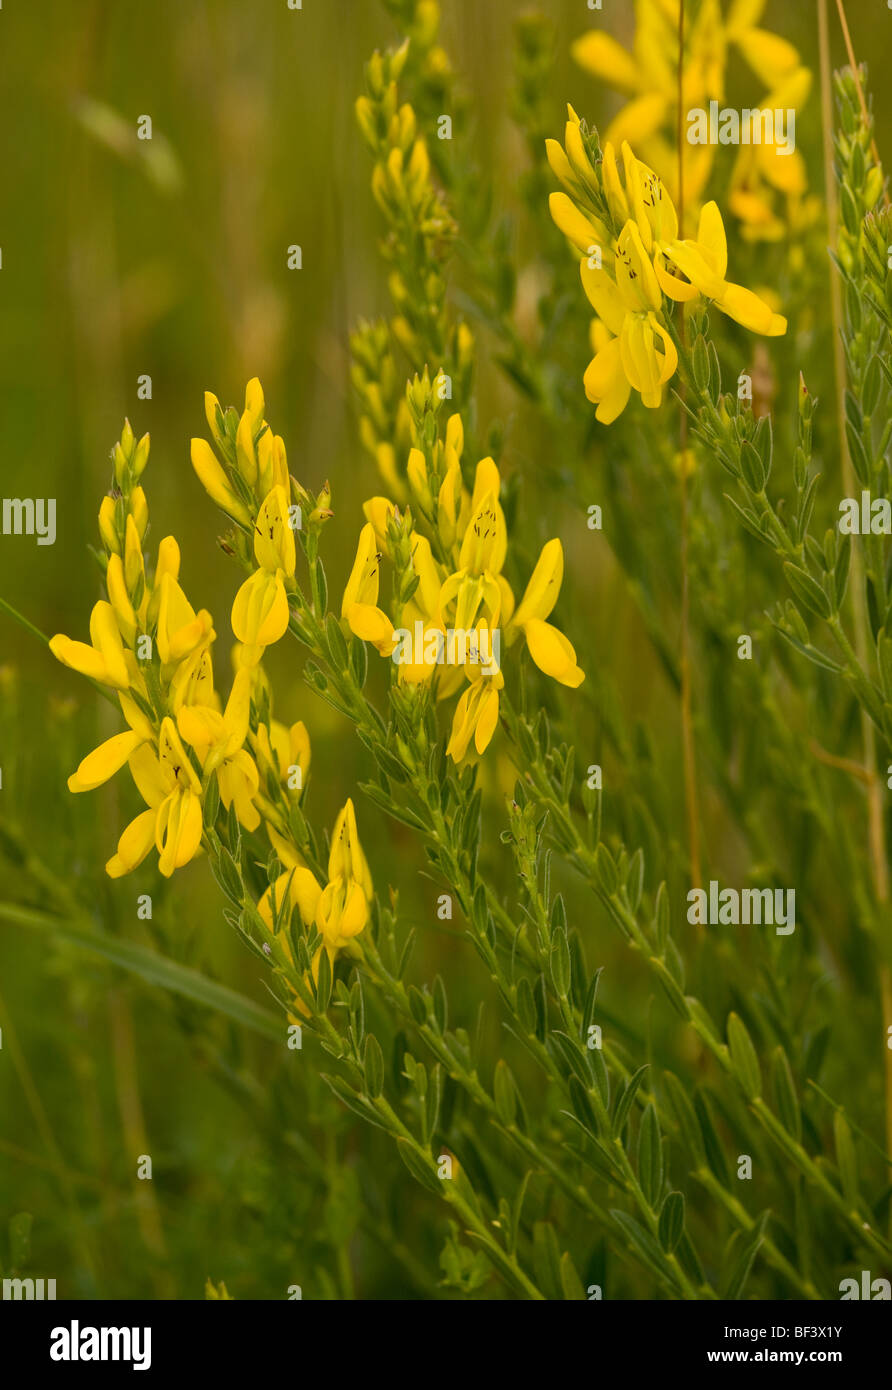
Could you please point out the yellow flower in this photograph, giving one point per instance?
(636, 350)
(215, 483)
(632, 346)
(649, 76)
(170, 787)
(704, 263)
(476, 715)
(283, 752)
(260, 610)
(103, 660)
(341, 908)
(180, 629)
(549, 648)
(218, 740)
(359, 605)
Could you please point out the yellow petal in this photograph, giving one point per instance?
(487, 719)
(260, 610)
(362, 586)
(178, 830)
(104, 761)
(602, 56)
(606, 384)
(638, 121)
(711, 238)
(553, 653)
(603, 296)
(215, 483)
(542, 591)
(750, 311)
(633, 268)
(133, 846)
(273, 537)
(585, 233)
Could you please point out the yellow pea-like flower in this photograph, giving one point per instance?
(346, 858)
(476, 716)
(97, 767)
(359, 605)
(103, 660)
(274, 546)
(213, 479)
(180, 629)
(260, 612)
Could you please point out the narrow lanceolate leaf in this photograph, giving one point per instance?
(422, 1169)
(744, 1253)
(685, 1118)
(743, 1055)
(570, 1281)
(373, 1066)
(323, 983)
(807, 590)
(845, 1157)
(715, 1154)
(785, 1095)
(644, 1243)
(153, 968)
(560, 964)
(661, 917)
(650, 1157)
(547, 1259)
(671, 1222)
(626, 1099)
(504, 1092)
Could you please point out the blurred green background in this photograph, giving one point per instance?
(122, 258)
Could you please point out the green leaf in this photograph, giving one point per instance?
(560, 964)
(807, 590)
(662, 916)
(715, 1154)
(547, 1259)
(744, 1057)
(354, 1103)
(845, 1157)
(421, 1168)
(650, 1156)
(323, 983)
(740, 1269)
(525, 1005)
(432, 1099)
(505, 1092)
(588, 1010)
(635, 879)
(785, 1094)
(359, 661)
(373, 1066)
(685, 1118)
(605, 868)
(571, 1283)
(644, 1243)
(417, 1005)
(154, 969)
(626, 1099)
(752, 467)
(671, 1222)
(441, 1007)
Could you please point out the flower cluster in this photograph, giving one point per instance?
(151, 647)
(633, 254)
(449, 550)
(339, 910)
(420, 235)
(761, 175)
